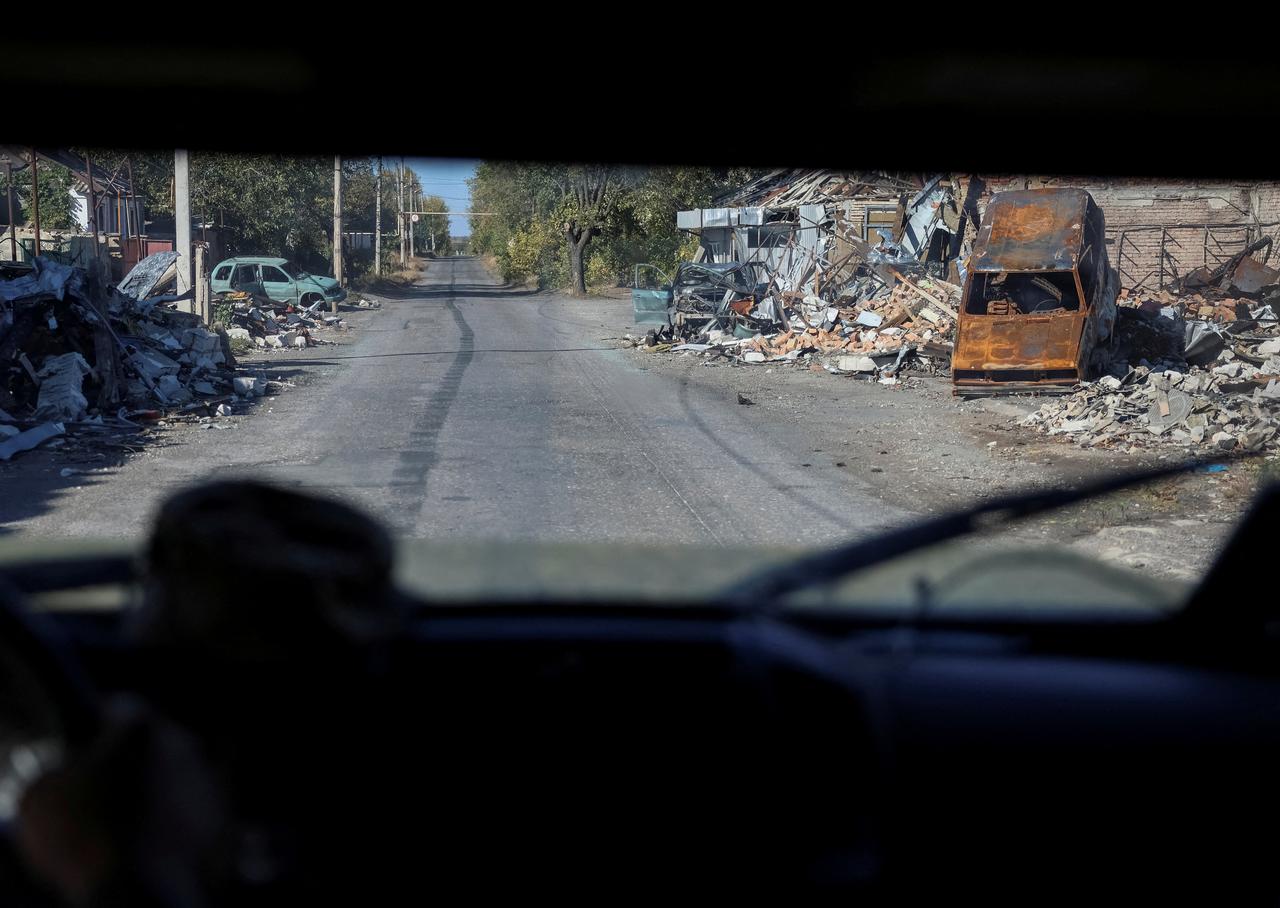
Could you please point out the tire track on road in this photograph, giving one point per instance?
(423, 454)
(638, 447)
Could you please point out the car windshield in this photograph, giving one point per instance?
(484, 380)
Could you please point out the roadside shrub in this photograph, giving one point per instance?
(601, 272)
(536, 251)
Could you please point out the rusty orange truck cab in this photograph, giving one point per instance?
(1039, 297)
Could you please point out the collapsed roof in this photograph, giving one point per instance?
(797, 186)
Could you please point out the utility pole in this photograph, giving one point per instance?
(182, 216)
(377, 223)
(413, 226)
(337, 227)
(402, 219)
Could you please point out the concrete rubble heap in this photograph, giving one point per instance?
(274, 326)
(1196, 365)
(77, 355)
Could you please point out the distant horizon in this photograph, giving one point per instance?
(447, 178)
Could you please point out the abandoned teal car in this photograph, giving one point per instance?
(277, 279)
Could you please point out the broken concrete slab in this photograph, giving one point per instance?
(172, 389)
(25, 441)
(200, 340)
(153, 364)
(61, 398)
(1169, 410)
(856, 364)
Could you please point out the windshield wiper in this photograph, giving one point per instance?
(823, 568)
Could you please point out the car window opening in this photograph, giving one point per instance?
(1005, 293)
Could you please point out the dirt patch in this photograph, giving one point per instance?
(929, 452)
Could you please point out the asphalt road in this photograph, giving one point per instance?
(467, 409)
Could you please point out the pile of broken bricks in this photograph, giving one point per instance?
(910, 324)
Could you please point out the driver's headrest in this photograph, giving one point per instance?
(263, 569)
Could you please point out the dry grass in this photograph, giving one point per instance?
(402, 277)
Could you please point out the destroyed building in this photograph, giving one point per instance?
(793, 220)
(109, 221)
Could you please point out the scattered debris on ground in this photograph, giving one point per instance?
(85, 364)
(877, 324)
(262, 322)
(1196, 365)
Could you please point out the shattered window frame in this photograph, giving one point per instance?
(236, 278)
(869, 225)
(979, 280)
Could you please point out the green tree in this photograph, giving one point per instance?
(267, 204)
(54, 183)
(571, 225)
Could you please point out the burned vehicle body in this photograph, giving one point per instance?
(703, 296)
(1040, 296)
(710, 294)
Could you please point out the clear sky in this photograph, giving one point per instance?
(447, 178)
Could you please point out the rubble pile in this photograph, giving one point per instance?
(871, 327)
(271, 325)
(79, 357)
(1197, 368)
(817, 293)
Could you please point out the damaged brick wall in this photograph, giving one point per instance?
(1147, 220)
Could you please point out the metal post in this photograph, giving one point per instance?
(202, 303)
(337, 227)
(35, 200)
(129, 204)
(377, 223)
(1160, 281)
(13, 228)
(182, 216)
(93, 203)
(123, 227)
